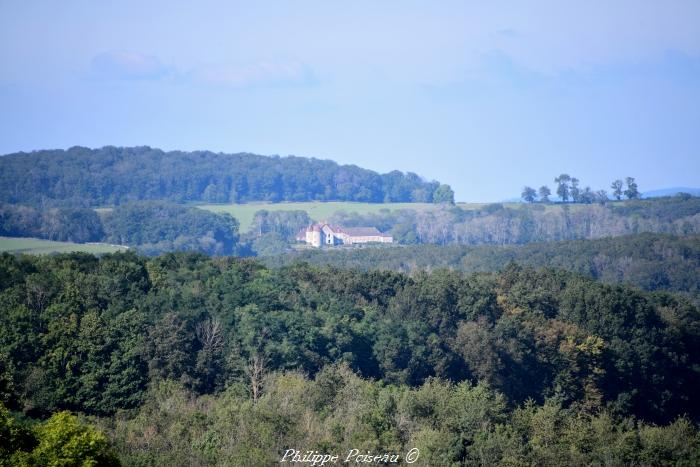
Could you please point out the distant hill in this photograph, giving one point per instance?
(670, 192)
(114, 175)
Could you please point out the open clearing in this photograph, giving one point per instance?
(317, 210)
(38, 246)
(323, 210)
(320, 210)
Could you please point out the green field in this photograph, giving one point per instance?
(317, 210)
(320, 210)
(38, 246)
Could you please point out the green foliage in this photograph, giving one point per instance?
(501, 224)
(156, 227)
(112, 176)
(529, 194)
(15, 439)
(648, 261)
(152, 227)
(61, 224)
(35, 246)
(450, 424)
(203, 361)
(617, 189)
(89, 334)
(317, 211)
(270, 244)
(286, 224)
(563, 188)
(631, 192)
(444, 194)
(62, 440)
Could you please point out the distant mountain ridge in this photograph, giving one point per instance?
(112, 175)
(670, 192)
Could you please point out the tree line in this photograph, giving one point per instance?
(526, 364)
(151, 226)
(648, 261)
(499, 224)
(568, 189)
(110, 176)
(273, 232)
(154, 227)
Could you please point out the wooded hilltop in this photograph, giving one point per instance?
(109, 176)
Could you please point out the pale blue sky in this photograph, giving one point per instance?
(486, 96)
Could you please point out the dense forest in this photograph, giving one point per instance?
(78, 225)
(150, 226)
(109, 176)
(155, 227)
(649, 261)
(187, 359)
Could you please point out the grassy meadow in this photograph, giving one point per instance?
(38, 246)
(317, 210)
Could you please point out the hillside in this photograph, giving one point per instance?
(177, 352)
(151, 226)
(83, 177)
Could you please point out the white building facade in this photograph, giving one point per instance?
(323, 234)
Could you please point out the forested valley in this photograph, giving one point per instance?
(185, 359)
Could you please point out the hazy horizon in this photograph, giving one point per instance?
(480, 96)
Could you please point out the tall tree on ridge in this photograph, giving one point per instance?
(601, 196)
(617, 189)
(563, 186)
(444, 194)
(575, 190)
(631, 192)
(529, 194)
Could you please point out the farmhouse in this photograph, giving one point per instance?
(323, 234)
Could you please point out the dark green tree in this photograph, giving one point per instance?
(563, 190)
(444, 194)
(632, 190)
(529, 194)
(574, 190)
(601, 196)
(617, 189)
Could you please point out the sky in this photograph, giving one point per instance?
(487, 96)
